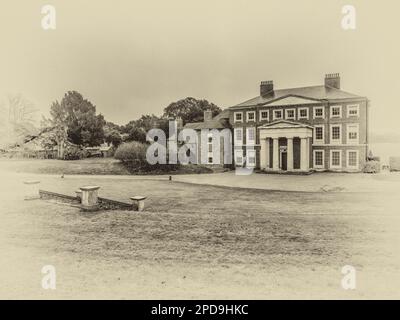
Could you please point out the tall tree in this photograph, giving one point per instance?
(190, 109)
(84, 126)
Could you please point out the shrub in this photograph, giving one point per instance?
(131, 152)
(74, 153)
(372, 167)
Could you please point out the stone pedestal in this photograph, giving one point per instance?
(89, 200)
(138, 203)
(31, 190)
(79, 194)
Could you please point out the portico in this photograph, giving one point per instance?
(285, 146)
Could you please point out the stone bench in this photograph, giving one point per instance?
(138, 203)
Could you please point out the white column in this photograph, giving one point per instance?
(275, 154)
(290, 154)
(267, 153)
(304, 154)
(263, 154)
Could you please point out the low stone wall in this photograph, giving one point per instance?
(104, 204)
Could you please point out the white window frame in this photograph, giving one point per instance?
(294, 114)
(238, 152)
(234, 116)
(248, 141)
(352, 106)
(331, 165)
(299, 115)
(248, 153)
(261, 117)
(273, 114)
(319, 141)
(322, 166)
(353, 141)
(348, 158)
(236, 141)
(331, 111)
(323, 112)
(247, 116)
(335, 141)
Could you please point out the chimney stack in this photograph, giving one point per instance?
(266, 87)
(207, 115)
(332, 80)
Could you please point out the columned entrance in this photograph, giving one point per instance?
(285, 146)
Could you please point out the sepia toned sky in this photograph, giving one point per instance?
(133, 57)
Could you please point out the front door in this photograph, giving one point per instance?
(284, 160)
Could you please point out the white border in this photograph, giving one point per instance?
(248, 141)
(331, 110)
(260, 114)
(347, 159)
(350, 106)
(336, 141)
(234, 116)
(351, 141)
(330, 159)
(236, 141)
(323, 159)
(273, 114)
(323, 112)
(237, 151)
(299, 114)
(248, 152)
(294, 114)
(247, 116)
(320, 141)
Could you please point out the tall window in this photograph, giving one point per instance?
(336, 158)
(238, 136)
(336, 133)
(251, 135)
(318, 159)
(319, 134)
(352, 133)
(251, 158)
(239, 157)
(210, 148)
(352, 159)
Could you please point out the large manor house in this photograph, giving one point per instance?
(315, 128)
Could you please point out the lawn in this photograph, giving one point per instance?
(196, 241)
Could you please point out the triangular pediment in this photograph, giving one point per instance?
(284, 124)
(291, 100)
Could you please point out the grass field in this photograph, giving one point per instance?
(197, 241)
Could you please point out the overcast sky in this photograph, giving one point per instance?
(134, 57)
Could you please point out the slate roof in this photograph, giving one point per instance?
(215, 123)
(318, 93)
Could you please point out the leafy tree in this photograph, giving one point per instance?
(136, 130)
(112, 134)
(84, 126)
(75, 119)
(190, 109)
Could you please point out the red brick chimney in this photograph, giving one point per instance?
(266, 87)
(332, 80)
(207, 115)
